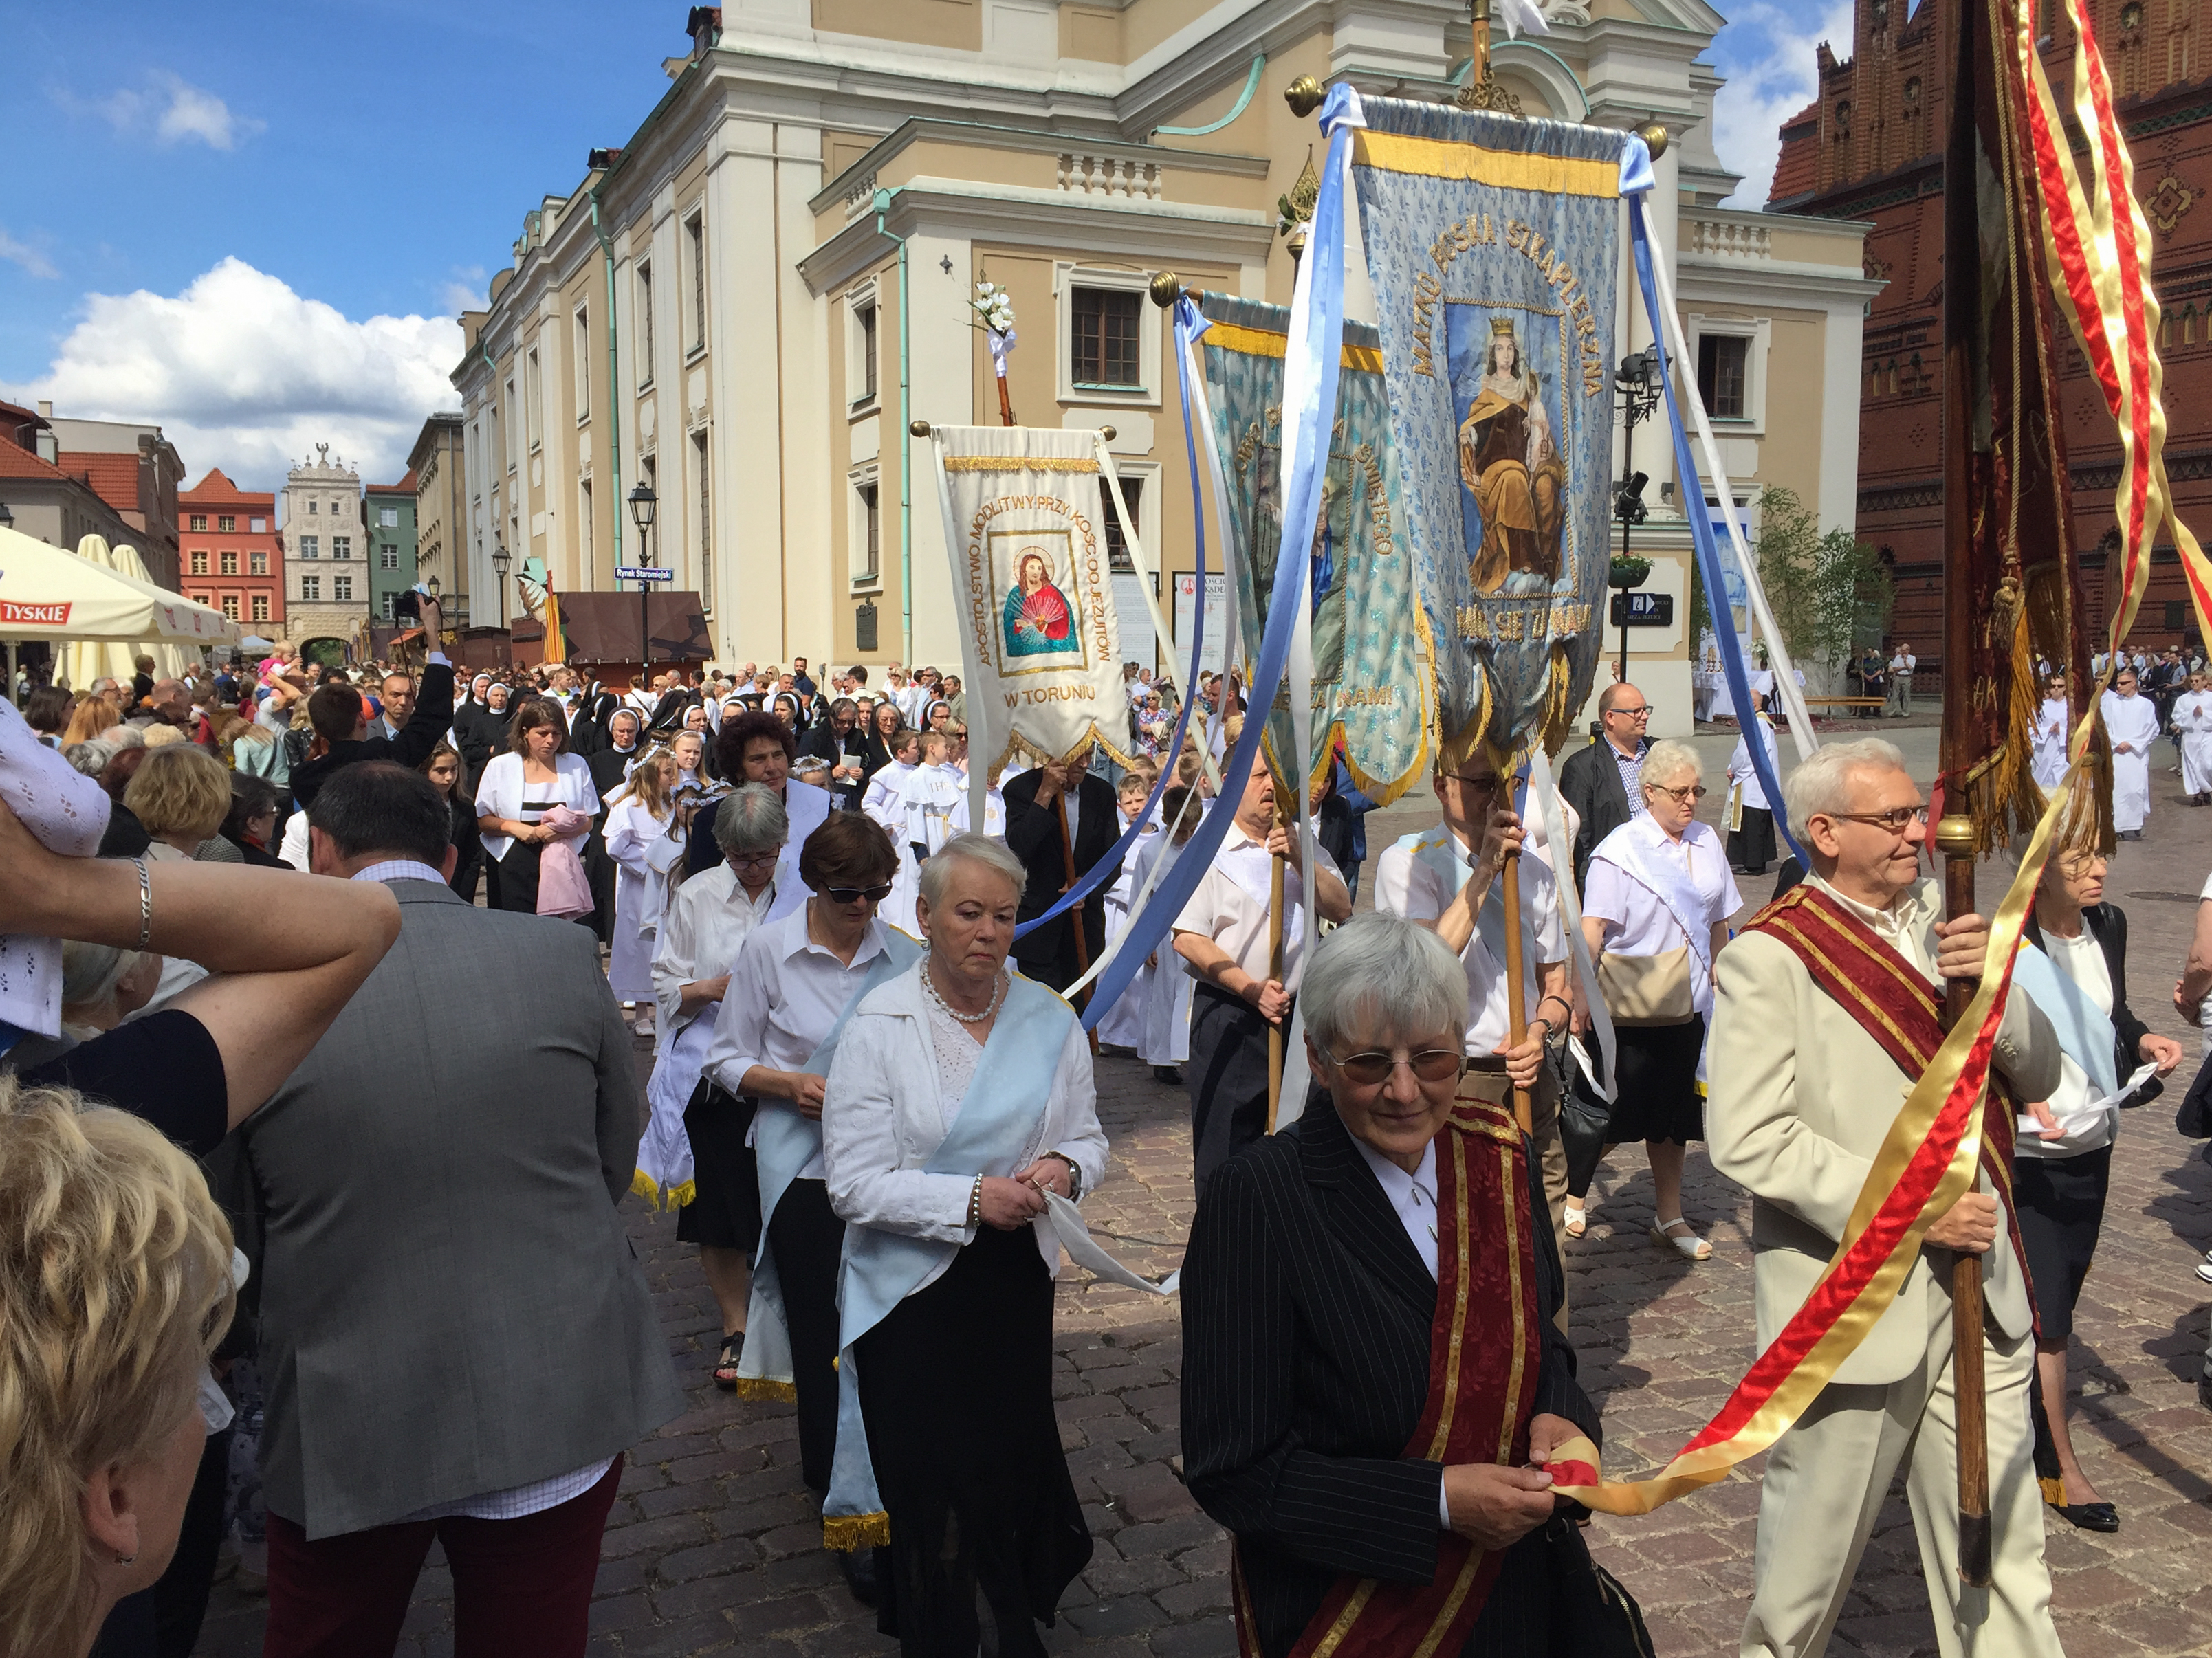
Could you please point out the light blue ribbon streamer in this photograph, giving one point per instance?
(1099, 1006)
(2083, 1029)
(1004, 1099)
(1701, 534)
(1316, 333)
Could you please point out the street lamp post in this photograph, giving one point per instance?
(501, 559)
(1637, 387)
(643, 502)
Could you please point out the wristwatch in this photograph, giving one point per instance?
(1074, 1175)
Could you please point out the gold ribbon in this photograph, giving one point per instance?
(1506, 169)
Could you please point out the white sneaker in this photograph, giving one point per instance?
(2204, 1271)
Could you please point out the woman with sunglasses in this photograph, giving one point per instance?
(961, 1094)
(1655, 911)
(693, 1156)
(794, 981)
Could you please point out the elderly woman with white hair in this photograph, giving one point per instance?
(1656, 909)
(960, 1095)
(1376, 1496)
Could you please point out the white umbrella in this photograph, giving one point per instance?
(49, 594)
(87, 661)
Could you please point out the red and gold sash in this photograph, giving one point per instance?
(1484, 1352)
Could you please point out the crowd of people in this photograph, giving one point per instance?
(369, 1253)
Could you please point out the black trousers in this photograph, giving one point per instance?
(1227, 1075)
(808, 1240)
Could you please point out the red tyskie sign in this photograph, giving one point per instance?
(34, 616)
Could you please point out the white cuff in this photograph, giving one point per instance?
(1444, 1506)
(439, 657)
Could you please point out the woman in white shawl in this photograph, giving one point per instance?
(2131, 722)
(2192, 722)
(1656, 909)
(693, 1161)
(641, 842)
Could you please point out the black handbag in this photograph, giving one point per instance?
(1592, 1615)
(1585, 1118)
(2193, 1121)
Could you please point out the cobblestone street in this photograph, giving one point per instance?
(714, 1544)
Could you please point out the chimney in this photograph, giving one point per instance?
(48, 448)
(45, 408)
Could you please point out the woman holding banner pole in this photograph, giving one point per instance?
(1655, 911)
(960, 1095)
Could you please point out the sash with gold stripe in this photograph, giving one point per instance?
(1484, 1351)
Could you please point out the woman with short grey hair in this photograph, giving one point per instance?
(700, 932)
(1656, 909)
(1328, 1264)
(961, 1094)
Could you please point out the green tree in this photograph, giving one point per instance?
(1829, 593)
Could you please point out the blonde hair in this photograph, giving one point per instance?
(89, 717)
(1668, 758)
(162, 737)
(180, 789)
(118, 1268)
(645, 782)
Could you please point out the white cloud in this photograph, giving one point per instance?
(465, 291)
(169, 109)
(246, 374)
(1768, 54)
(33, 263)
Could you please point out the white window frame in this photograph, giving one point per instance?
(1145, 474)
(699, 507)
(1759, 331)
(311, 590)
(346, 582)
(867, 476)
(859, 400)
(1066, 277)
(642, 322)
(387, 517)
(583, 365)
(587, 526)
(310, 546)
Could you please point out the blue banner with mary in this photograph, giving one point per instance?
(1493, 244)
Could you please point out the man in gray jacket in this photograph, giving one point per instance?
(456, 1336)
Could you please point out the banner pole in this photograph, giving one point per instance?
(1275, 972)
(1075, 914)
(1516, 992)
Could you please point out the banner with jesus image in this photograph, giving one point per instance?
(1033, 586)
(1493, 245)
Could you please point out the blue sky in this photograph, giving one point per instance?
(253, 222)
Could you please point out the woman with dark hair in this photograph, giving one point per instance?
(443, 769)
(759, 748)
(786, 708)
(251, 823)
(47, 712)
(536, 776)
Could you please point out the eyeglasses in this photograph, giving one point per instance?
(1640, 712)
(1480, 785)
(1687, 791)
(856, 894)
(1896, 820)
(1431, 1064)
(758, 861)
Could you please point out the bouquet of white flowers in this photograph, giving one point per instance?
(994, 314)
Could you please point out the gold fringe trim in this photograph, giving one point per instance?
(1453, 752)
(1558, 705)
(766, 1388)
(1266, 343)
(2054, 1490)
(1439, 158)
(642, 1185)
(844, 1532)
(1019, 464)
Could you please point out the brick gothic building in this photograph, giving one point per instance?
(1870, 148)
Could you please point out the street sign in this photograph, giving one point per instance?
(642, 573)
(1643, 610)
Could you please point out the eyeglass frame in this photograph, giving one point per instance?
(1881, 819)
(1348, 1060)
(1687, 795)
(856, 895)
(1643, 711)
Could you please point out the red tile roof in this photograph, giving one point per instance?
(404, 487)
(216, 488)
(17, 463)
(1797, 170)
(113, 478)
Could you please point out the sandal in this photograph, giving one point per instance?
(726, 1367)
(1576, 1222)
(1686, 1243)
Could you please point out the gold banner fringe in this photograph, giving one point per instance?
(844, 1532)
(761, 1387)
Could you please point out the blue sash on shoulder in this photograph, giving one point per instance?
(2084, 1029)
(1005, 1101)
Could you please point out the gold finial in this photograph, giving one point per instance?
(1482, 90)
(1167, 288)
(1653, 134)
(920, 428)
(1108, 433)
(1304, 95)
(1305, 195)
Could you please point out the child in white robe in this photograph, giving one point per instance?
(2192, 724)
(1124, 1023)
(1167, 1004)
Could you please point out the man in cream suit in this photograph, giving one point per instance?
(1801, 1095)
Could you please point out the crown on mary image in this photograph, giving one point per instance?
(1501, 324)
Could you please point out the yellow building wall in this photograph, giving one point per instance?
(957, 24)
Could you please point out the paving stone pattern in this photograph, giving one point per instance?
(715, 1546)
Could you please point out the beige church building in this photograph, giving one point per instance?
(747, 302)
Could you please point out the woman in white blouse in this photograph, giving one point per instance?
(641, 819)
(520, 787)
(697, 1160)
(1655, 908)
(959, 1095)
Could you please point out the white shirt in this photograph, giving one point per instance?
(785, 992)
(1637, 922)
(2081, 959)
(886, 798)
(1225, 908)
(707, 920)
(501, 792)
(1413, 1197)
(1412, 888)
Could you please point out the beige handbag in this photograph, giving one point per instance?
(1648, 990)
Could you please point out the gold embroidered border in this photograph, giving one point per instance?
(1508, 1202)
(1266, 343)
(1437, 158)
(1019, 464)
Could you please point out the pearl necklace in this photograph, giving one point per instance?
(998, 995)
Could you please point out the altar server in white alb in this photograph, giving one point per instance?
(1167, 992)
(2131, 722)
(2192, 724)
(2053, 724)
(1124, 1023)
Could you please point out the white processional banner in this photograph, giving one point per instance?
(1035, 590)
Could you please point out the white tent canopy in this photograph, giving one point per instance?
(78, 599)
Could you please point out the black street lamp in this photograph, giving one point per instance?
(643, 502)
(1636, 387)
(501, 560)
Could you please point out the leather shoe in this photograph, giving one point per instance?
(2204, 1391)
(858, 1566)
(2091, 1517)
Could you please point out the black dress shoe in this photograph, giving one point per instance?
(2091, 1517)
(1169, 1074)
(859, 1568)
(2204, 1391)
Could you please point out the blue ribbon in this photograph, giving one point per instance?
(1709, 553)
(1091, 879)
(1318, 337)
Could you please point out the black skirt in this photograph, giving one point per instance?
(1657, 1098)
(724, 1211)
(956, 1387)
(517, 887)
(1751, 848)
(2061, 1202)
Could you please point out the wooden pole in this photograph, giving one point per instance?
(1517, 1007)
(1074, 915)
(1275, 972)
(1006, 403)
(1954, 835)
